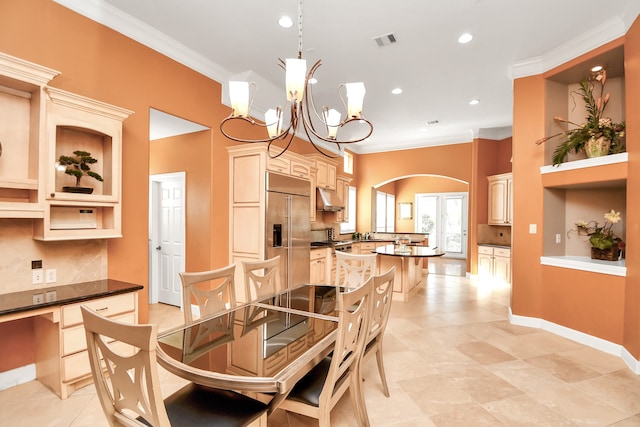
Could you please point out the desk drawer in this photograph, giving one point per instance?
(109, 306)
(74, 339)
(77, 365)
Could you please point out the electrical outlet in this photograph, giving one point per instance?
(38, 298)
(50, 275)
(558, 238)
(533, 228)
(50, 296)
(36, 276)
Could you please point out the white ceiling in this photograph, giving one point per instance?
(438, 76)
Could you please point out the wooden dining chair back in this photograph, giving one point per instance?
(213, 291)
(125, 372)
(352, 270)
(319, 391)
(382, 295)
(261, 278)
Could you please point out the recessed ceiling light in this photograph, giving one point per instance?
(474, 102)
(596, 68)
(285, 22)
(465, 38)
(396, 91)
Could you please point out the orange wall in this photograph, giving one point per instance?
(600, 305)
(102, 64)
(407, 188)
(450, 161)
(632, 295)
(190, 153)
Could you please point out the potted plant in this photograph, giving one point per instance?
(78, 166)
(599, 136)
(604, 243)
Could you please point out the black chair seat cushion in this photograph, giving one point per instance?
(195, 405)
(308, 389)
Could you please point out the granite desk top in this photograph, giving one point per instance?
(67, 294)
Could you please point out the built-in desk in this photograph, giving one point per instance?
(62, 363)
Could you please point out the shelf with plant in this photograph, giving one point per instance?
(568, 239)
(599, 135)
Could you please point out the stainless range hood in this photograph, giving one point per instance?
(328, 200)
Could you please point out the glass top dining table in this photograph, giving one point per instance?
(264, 346)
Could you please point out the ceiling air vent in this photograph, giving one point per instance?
(385, 40)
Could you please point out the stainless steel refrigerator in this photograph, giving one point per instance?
(288, 227)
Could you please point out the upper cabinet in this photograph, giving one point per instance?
(44, 123)
(342, 188)
(89, 207)
(326, 173)
(500, 199)
(22, 109)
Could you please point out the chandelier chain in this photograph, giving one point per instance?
(300, 30)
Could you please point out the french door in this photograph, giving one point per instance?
(444, 217)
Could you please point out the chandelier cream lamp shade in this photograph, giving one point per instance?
(300, 113)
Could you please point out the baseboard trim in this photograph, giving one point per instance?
(17, 376)
(580, 337)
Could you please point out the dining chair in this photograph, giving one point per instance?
(125, 373)
(352, 270)
(213, 291)
(318, 391)
(382, 295)
(261, 278)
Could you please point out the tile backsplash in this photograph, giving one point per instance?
(75, 261)
(494, 235)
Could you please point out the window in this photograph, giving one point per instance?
(348, 163)
(385, 211)
(350, 226)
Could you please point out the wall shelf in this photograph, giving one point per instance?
(614, 268)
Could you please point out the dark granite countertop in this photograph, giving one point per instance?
(494, 245)
(23, 301)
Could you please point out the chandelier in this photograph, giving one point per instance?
(303, 115)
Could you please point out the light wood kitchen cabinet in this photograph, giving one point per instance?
(500, 199)
(22, 129)
(62, 361)
(342, 188)
(494, 263)
(248, 164)
(326, 171)
(78, 123)
(41, 123)
(318, 266)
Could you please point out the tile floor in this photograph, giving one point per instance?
(452, 359)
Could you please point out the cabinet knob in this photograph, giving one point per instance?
(53, 194)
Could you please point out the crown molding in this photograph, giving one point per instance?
(586, 42)
(137, 30)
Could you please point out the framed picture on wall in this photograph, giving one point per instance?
(405, 210)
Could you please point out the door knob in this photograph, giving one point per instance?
(158, 248)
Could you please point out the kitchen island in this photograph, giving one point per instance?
(408, 263)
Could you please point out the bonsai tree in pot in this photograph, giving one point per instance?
(78, 166)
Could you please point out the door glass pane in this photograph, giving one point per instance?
(453, 225)
(427, 217)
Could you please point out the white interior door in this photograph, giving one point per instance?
(167, 241)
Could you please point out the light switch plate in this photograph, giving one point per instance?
(533, 228)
